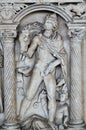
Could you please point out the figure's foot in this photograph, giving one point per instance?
(53, 126)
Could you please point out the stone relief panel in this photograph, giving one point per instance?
(42, 55)
(40, 65)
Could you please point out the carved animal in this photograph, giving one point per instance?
(34, 28)
(75, 10)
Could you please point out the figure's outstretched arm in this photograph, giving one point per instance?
(24, 41)
(56, 63)
(33, 47)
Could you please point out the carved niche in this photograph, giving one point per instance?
(41, 69)
(40, 65)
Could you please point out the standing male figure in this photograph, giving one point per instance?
(50, 51)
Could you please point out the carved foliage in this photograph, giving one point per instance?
(77, 34)
(75, 10)
(9, 10)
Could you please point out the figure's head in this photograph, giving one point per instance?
(51, 22)
(24, 39)
(63, 93)
(63, 97)
(25, 32)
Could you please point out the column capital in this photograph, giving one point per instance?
(77, 30)
(8, 36)
(76, 34)
(8, 33)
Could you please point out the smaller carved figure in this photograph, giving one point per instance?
(24, 40)
(62, 108)
(25, 64)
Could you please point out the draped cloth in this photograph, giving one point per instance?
(56, 48)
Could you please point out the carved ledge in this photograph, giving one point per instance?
(38, 1)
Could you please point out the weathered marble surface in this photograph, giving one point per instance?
(42, 65)
(41, 1)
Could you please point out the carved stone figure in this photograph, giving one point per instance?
(42, 65)
(62, 115)
(50, 54)
(61, 119)
(25, 64)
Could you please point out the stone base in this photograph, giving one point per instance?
(77, 127)
(10, 127)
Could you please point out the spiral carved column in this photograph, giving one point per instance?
(76, 108)
(9, 85)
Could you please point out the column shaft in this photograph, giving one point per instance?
(9, 86)
(76, 113)
(9, 82)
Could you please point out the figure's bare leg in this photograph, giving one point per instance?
(31, 92)
(50, 83)
(21, 55)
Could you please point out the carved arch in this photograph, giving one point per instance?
(38, 7)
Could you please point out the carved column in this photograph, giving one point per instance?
(84, 75)
(76, 106)
(9, 82)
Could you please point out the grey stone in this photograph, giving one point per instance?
(42, 65)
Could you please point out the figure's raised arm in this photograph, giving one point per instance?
(33, 46)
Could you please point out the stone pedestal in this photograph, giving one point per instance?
(9, 85)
